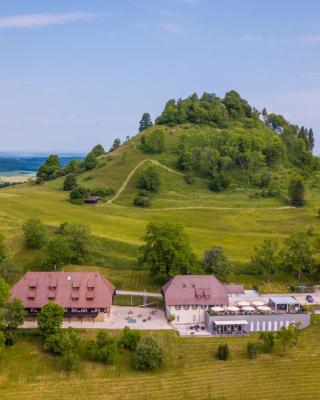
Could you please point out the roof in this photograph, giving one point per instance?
(235, 289)
(69, 289)
(194, 290)
(231, 322)
(283, 300)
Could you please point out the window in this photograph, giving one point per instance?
(186, 307)
(178, 318)
(194, 307)
(203, 307)
(177, 307)
(194, 318)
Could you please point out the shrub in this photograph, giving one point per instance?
(130, 338)
(219, 183)
(150, 179)
(149, 354)
(153, 142)
(296, 193)
(251, 350)
(170, 318)
(2, 344)
(78, 194)
(102, 192)
(141, 201)
(70, 361)
(63, 341)
(189, 178)
(70, 182)
(223, 352)
(268, 341)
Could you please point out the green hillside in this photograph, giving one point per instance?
(254, 157)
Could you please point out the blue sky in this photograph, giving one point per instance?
(74, 73)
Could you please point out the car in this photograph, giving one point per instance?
(309, 299)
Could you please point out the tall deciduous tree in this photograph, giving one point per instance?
(145, 122)
(149, 355)
(70, 182)
(265, 260)
(297, 254)
(50, 319)
(51, 169)
(35, 233)
(167, 248)
(13, 318)
(216, 262)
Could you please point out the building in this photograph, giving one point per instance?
(284, 304)
(188, 297)
(81, 294)
(91, 200)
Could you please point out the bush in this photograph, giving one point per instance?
(63, 341)
(170, 318)
(78, 195)
(150, 179)
(130, 338)
(70, 182)
(296, 193)
(223, 352)
(251, 350)
(142, 201)
(149, 354)
(153, 142)
(70, 361)
(189, 178)
(2, 344)
(102, 192)
(219, 183)
(268, 341)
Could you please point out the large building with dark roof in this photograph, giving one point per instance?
(188, 297)
(81, 294)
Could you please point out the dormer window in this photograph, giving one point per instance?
(75, 285)
(33, 283)
(90, 285)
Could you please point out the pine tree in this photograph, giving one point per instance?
(145, 122)
(303, 134)
(264, 114)
(311, 139)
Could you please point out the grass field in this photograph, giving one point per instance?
(191, 372)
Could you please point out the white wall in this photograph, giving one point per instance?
(189, 316)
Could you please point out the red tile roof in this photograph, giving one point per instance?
(69, 289)
(194, 289)
(235, 289)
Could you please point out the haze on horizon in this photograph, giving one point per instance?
(77, 73)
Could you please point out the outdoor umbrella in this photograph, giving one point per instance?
(248, 308)
(243, 303)
(233, 309)
(217, 309)
(263, 308)
(258, 303)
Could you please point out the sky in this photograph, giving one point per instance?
(74, 73)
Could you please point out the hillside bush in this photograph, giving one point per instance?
(219, 183)
(149, 179)
(35, 233)
(142, 201)
(223, 352)
(70, 182)
(149, 355)
(130, 338)
(153, 142)
(103, 349)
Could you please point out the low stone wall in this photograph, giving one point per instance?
(262, 323)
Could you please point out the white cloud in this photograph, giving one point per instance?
(42, 20)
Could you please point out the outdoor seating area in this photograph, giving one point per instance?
(242, 308)
(230, 328)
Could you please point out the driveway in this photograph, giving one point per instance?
(119, 319)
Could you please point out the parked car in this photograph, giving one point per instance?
(309, 299)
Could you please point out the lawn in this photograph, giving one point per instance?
(191, 372)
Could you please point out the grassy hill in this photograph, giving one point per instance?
(238, 219)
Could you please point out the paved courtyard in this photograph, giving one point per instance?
(134, 317)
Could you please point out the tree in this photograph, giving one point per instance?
(103, 349)
(4, 291)
(14, 316)
(78, 195)
(219, 183)
(149, 355)
(63, 341)
(297, 254)
(90, 161)
(251, 350)
(72, 167)
(116, 144)
(268, 341)
(70, 361)
(70, 182)
(264, 114)
(141, 201)
(145, 122)
(296, 193)
(265, 259)
(223, 352)
(98, 150)
(79, 239)
(51, 169)
(167, 248)
(57, 252)
(150, 179)
(3, 249)
(35, 233)
(216, 262)
(130, 338)
(311, 139)
(154, 142)
(285, 336)
(50, 319)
